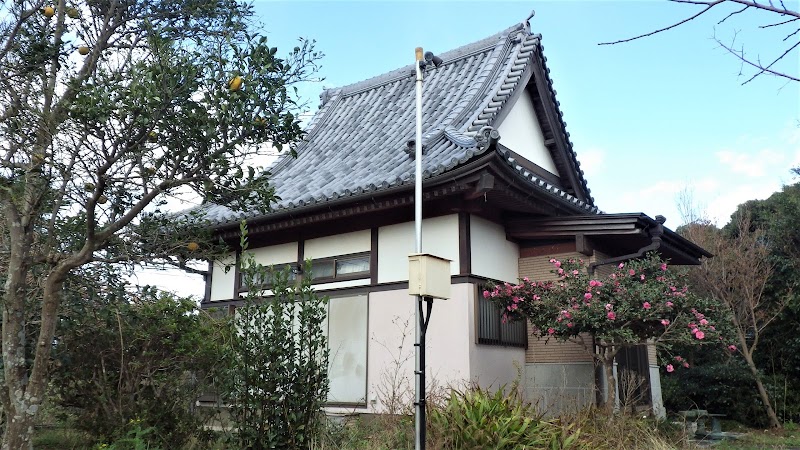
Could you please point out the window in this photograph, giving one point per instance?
(339, 268)
(347, 340)
(265, 284)
(492, 330)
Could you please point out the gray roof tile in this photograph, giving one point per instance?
(355, 142)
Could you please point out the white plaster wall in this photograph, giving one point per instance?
(521, 133)
(391, 345)
(341, 284)
(275, 254)
(222, 284)
(340, 244)
(396, 242)
(493, 256)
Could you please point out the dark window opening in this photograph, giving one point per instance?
(493, 330)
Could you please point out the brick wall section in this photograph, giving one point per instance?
(542, 350)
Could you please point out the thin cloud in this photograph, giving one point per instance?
(749, 164)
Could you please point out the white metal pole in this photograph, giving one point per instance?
(419, 417)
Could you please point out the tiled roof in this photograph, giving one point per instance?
(356, 141)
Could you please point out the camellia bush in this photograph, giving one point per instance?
(640, 301)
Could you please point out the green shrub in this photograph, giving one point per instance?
(121, 357)
(478, 419)
(278, 373)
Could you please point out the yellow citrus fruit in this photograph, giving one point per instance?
(48, 11)
(259, 121)
(235, 84)
(83, 50)
(192, 246)
(102, 199)
(73, 13)
(88, 187)
(152, 136)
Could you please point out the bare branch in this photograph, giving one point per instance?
(770, 7)
(677, 24)
(761, 68)
(778, 24)
(733, 13)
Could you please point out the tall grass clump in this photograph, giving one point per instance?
(478, 419)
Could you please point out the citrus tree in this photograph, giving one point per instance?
(638, 302)
(107, 109)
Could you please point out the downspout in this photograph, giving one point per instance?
(656, 232)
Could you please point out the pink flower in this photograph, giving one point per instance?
(641, 277)
(611, 315)
(692, 325)
(631, 272)
(703, 322)
(664, 322)
(485, 294)
(732, 348)
(574, 272)
(695, 331)
(514, 307)
(686, 365)
(526, 279)
(608, 306)
(587, 296)
(646, 305)
(669, 304)
(557, 263)
(664, 266)
(670, 369)
(621, 265)
(551, 330)
(569, 324)
(678, 358)
(593, 283)
(699, 335)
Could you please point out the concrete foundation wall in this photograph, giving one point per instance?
(557, 388)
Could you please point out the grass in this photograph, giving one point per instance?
(61, 438)
(764, 439)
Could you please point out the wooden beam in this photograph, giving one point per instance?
(464, 244)
(583, 245)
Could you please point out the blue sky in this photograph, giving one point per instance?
(647, 118)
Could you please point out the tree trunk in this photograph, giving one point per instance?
(19, 432)
(611, 385)
(762, 392)
(24, 390)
